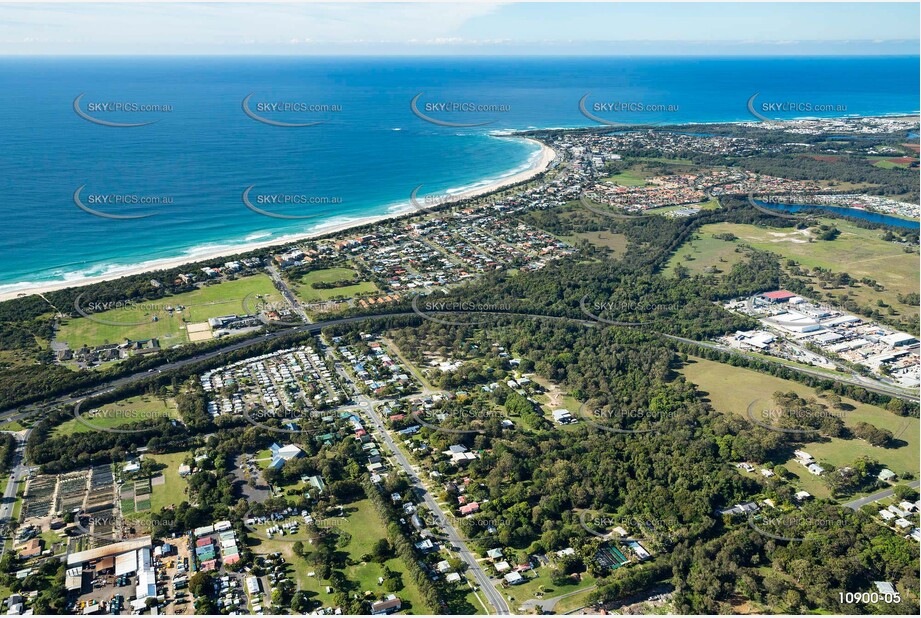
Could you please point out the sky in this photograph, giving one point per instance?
(455, 28)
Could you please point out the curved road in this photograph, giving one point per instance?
(494, 596)
(14, 414)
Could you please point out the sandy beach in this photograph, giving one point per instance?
(539, 165)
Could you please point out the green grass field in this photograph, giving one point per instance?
(127, 506)
(365, 528)
(639, 170)
(542, 583)
(574, 602)
(476, 602)
(633, 177)
(617, 243)
(732, 389)
(885, 163)
(856, 251)
(173, 490)
(308, 294)
(888, 165)
(703, 252)
(114, 415)
(224, 298)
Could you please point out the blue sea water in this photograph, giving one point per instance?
(365, 158)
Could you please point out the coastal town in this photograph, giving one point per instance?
(435, 248)
(460, 309)
(370, 467)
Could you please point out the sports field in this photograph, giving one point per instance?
(153, 319)
(633, 177)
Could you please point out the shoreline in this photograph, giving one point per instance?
(539, 165)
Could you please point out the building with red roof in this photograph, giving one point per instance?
(779, 296)
(209, 565)
(468, 509)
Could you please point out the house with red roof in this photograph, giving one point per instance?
(469, 509)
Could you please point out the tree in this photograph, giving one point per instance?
(301, 602)
(381, 550)
(202, 584)
(904, 492)
(298, 549)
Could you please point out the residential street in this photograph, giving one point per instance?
(880, 495)
(366, 406)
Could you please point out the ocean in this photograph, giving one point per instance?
(174, 187)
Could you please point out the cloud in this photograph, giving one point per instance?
(118, 28)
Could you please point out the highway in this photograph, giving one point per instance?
(866, 383)
(14, 414)
(493, 595)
